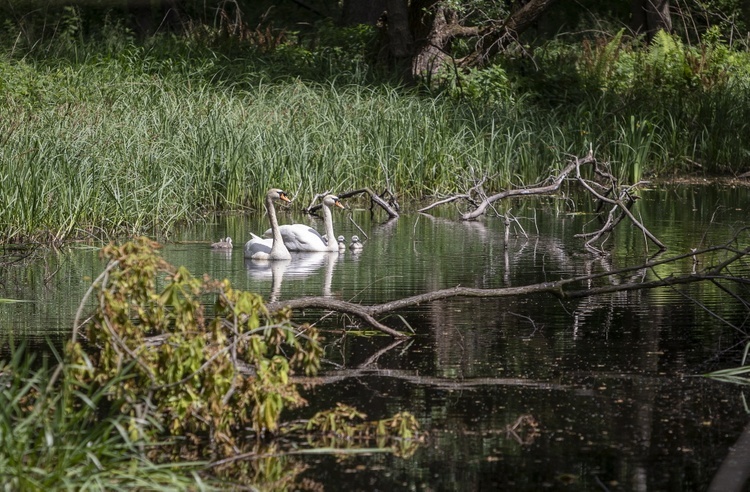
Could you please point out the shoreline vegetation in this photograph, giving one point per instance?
(109, 136)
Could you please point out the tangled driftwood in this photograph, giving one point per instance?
(605, 189)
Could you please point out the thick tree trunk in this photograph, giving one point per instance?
(650, 16)
(362, 11)
(432, 50)
(400, 40)
(434, 28)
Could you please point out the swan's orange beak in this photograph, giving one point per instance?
(283, 197)
(339, 204)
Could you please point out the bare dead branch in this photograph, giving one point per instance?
(622, 198)
(468, 196)
(390, 208)
(538, 190)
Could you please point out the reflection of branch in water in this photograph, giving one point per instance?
(704, 307)
(525, 425)
(433, 381)
(374, 357)
(527, 319)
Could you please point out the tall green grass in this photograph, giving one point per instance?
(84, 148)
(127, 139)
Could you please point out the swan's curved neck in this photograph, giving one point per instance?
(278, 248)
(328, 222)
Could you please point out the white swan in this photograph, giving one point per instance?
(302, 237)
(356, 244)
(258, 248)
(223, 244)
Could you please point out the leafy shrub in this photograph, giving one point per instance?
(191, 372)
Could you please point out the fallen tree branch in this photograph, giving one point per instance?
(625, 194)
(622, 201)
(468, 196)
(538, 190)
(390, 208)
(560, 289)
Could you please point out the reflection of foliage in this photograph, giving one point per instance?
(266, 467)
(344, 426)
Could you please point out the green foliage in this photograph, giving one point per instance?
(153, 143)
(174, 370)
(664, 108)
(107, 134)
(173, 367)
(489, 85)
(190, 373)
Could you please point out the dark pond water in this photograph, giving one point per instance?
(610, 382)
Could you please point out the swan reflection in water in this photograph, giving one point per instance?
(302, 265)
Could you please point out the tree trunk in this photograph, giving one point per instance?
(501, 37)
(362, 12)
(400, 40)
(434, 27)
(650, 16)
(431, 53)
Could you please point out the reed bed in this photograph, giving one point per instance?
(134, 143)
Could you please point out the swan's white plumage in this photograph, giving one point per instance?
(302, 237)
(258, 248)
